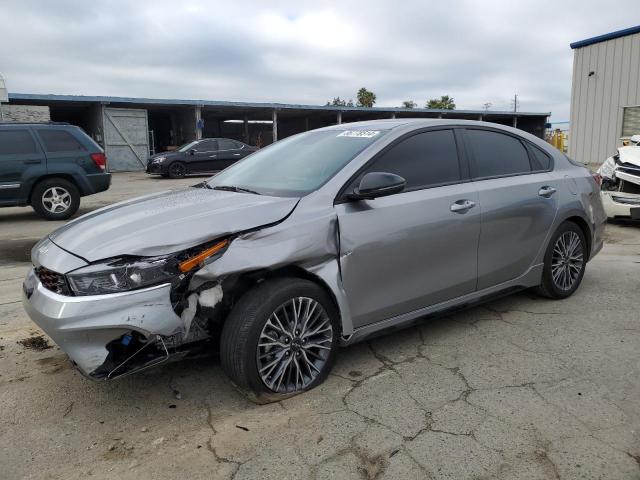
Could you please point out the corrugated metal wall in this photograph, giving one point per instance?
(597, 100)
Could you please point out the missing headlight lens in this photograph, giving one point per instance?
(121, 275)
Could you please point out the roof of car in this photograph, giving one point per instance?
(389, 124)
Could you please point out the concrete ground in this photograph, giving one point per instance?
(521, 387)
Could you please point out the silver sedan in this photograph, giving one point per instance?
(322, 239)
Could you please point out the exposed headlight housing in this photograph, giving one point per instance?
(128, 273)
(121, 275)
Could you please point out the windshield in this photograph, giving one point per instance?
(297, 165)
(188, 146)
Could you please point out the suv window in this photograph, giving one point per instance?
(59, 141)
(539, 159)
(423, 160)
(226, 144)
(16, 142)
(497, 154)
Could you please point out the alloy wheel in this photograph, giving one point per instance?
(177, 170)
(567, 260)
(294, 345)
(56, 199)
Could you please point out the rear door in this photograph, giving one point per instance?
(416, 248)
(517, 202)
(21, 162)
(229, 152)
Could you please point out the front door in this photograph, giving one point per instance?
(205, 156)
(517, 202)
(413, 249)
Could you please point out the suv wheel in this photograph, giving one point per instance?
(280, 339)
(55, 199)
(564, 262)
(177, 170)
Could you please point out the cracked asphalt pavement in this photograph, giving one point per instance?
(521, 387)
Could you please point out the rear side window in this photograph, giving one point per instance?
(206, 146)
(423, 160)
(539, 159)
(16, 142)
(59, 141)
(496, 154)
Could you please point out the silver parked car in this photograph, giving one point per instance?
(322, 239)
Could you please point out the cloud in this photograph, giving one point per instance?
(304, 51)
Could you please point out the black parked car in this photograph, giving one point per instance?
(49, 166)
(206, 155)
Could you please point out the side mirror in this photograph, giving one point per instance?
(378, 184)
(192, 151)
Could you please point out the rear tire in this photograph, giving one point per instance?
(564, 262)
(269, 355)
(177, 170)
(55, 199)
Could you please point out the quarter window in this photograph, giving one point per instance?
(540, 161)
(16, 142)
(207, 146)
(496, 154)
(423, 160)
(59, 141)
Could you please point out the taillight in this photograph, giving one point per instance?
(100, 159)
(597, 177)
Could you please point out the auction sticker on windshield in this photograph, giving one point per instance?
(359, 133)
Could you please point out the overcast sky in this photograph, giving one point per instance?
(305, 51)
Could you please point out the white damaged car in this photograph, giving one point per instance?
(621, 182)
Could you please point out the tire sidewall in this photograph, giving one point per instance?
(548, 276)
(285, 291)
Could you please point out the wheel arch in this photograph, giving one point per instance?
(586, 231)
(240, 284)
(64, 176)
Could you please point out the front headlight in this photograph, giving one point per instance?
(121, 275)
(159, 159)
(127, 273)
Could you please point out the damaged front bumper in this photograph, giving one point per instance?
(621, 204)
(108, 336)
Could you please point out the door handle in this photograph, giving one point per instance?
(462, 206)
(212, 156)
(31, 162)
(236, 154)
(546, 191)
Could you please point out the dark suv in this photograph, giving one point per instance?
(49, 166)
(199, 156)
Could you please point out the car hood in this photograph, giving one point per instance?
(167, 222)
(630, 154)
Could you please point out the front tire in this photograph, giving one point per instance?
(280, 339)
(177, 170)
(564, 262)
(55, 199)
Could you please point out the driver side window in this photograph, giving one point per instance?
(424, 160)
(206, 146)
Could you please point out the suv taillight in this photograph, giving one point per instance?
(100, 159)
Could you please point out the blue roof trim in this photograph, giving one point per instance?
(605, 37)
(250, 105)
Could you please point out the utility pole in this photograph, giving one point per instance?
(515, 103)
(4, 95)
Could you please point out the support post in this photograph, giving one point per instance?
(306, 124)
(515, 122)
(393, 115)
(246, 129)
(198, 118)
(339, 118)
(480, 118)
(274, 118)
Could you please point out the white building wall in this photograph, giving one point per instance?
(25, 113)
(597, 101)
